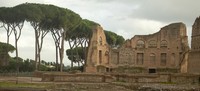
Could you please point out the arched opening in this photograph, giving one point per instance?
(140, 44)
(152, 44)
(163, 44)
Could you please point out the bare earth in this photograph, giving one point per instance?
(114, 86)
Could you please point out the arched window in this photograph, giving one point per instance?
(152, 58)
(163, 44)
(152, 44)
(140, 44)
(100, 40)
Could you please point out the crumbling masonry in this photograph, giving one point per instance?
(194, 56)
(167, 48)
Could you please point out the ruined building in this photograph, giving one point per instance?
(194, 55)
(165, 49)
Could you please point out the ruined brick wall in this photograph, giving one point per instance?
(98, 52)
(164, 49)
(194, 56)
(194, 62)
(147, 50)
(136, 78)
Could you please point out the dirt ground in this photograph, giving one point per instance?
(113, 86)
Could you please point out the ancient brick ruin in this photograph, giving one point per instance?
(194, 55)
(166, 52)
(164, 49)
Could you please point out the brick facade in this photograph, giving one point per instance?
(194, 56)
(164, 49)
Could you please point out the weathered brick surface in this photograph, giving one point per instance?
(130, 78)
(194, 56)
(140, 51)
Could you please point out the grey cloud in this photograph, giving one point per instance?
(169, 10)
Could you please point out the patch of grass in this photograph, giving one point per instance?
(31, 85)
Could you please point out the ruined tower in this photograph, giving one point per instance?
(194, 56)
(98, 51)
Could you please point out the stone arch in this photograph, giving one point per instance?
(152, 44)
(164, 44)
(140, 44)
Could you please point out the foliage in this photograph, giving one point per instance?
(27, 65)
(24, 66)
(80, 37)
(113, 39)
(4, 47)
(75, 54)
(60, 21)
(74, 69)
(42, 17)
(4, 56)
(48, 16)
(84, 30)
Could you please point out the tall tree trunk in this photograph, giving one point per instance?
(71, 47)
(56, 41)
(62, 49)
(42, 34)
(36, 50)
(8, 29)
(39, 36)
(57, 66)
(17, 34)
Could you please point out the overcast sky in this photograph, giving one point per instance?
(124, 17)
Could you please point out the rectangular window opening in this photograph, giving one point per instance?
(163, 59)
(100, 56)
(152, 70)
(140, 58)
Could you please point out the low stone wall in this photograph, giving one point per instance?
(132, 78)
(160, 78)
(82, 77)
(185, 78)
(21, 89)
